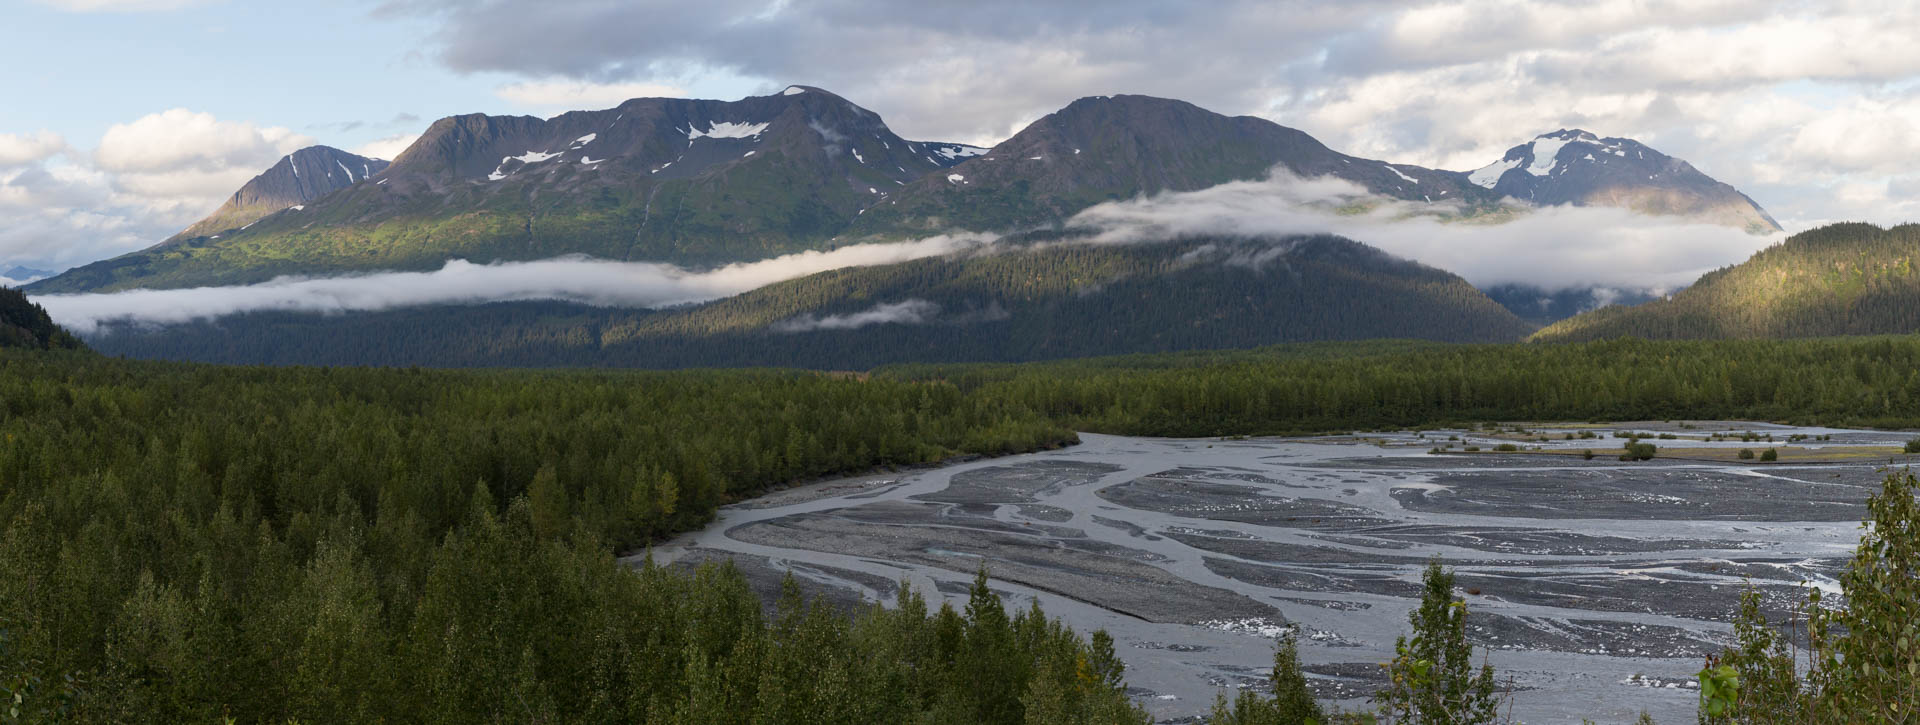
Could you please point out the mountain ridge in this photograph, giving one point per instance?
(1841, 279)
(703, 183)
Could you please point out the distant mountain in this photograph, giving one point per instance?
(1842, 279)
(24, 324)
(1571, 166)
(299, 177)
(1060, 299)
(693, 182)
(23, 274)
(1543, 307)
(1106, 148)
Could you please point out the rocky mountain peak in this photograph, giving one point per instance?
(1580, 168)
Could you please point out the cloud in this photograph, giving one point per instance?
(20, 149)
(180, 139)
(905, 312)
(562, 93)
(1741, 88)
(121, 6)
(1552, 248)
(388, 148)
(575, 279)
(145, 179)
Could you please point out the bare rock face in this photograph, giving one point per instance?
(298, 178)
(1571, 166)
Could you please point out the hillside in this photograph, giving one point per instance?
(24, 324)
(1842, 279)
(1040, 302)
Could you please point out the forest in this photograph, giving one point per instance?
(185, 543)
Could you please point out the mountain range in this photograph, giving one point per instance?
(703, 183)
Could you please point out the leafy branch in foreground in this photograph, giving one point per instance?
(1862, 659)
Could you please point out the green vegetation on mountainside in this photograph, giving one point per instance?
(691, 221)
(1841, 279)
(1051, 300)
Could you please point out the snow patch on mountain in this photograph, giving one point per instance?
(1489, 175)
(725, 129)
(957, 151)
(1546, 150)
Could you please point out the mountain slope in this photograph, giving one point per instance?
(1105, 148)
(1842, 279)
(1571, 166)
(687, 181)
(25, 324)
(298, 178)
(1048, 301)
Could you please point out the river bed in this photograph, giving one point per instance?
(1596, 585)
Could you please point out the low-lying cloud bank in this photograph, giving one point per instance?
(905, 312)
(1551, 248)
(573, 279)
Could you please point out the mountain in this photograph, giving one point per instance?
(1571, 166)
(299, 177)
(1842, 279)
(1106, 148)
(693, 182)
(25, 324)
(698, 182)
(1050, 298)
(1542, 306)
(23, 274)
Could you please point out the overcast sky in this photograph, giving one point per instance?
(126, 120)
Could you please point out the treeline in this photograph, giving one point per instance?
(1841, 279)
(1048, 301)
(1865, 381)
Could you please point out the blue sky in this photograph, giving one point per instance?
(126, 120)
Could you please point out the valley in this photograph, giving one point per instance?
(1597, 585)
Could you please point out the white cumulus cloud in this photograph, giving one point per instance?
(1553, 248)
(575, 279)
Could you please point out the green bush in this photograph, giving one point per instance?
(1291, 703)
(1506, 447)
(1432, 678)
(1637, 451)
(1770, 455)
(1913, 446)
(1746, 454)
(1865, 656)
